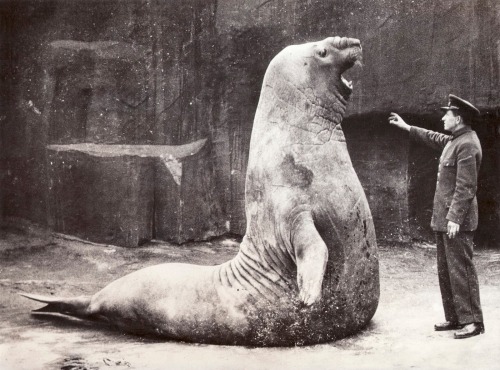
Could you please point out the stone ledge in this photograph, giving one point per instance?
(129, 194)
(115, 150)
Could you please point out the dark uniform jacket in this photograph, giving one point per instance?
(455, 198)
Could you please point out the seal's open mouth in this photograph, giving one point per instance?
(352, 52)
(351, 49)
(353, 58)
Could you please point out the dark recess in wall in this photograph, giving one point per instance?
(379, 155)
(399, 176)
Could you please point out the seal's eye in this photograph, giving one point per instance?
(322, 53)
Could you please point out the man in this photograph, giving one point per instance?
(455, 215)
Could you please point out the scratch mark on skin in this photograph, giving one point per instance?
(332, 123)
(338, 107)
(328, 132)
(303, 128)
(285, 102)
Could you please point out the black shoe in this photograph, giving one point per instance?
(470, 330)
(448, 325)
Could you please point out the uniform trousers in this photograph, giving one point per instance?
(458, 278)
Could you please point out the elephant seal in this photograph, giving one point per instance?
(307, 268)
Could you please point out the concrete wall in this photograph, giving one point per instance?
(173, 72)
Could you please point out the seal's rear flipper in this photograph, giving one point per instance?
(78, 306)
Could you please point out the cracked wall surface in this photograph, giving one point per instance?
(148, 72)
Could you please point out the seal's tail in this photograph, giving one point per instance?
(78, 306)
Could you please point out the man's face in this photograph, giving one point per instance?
(451, 121)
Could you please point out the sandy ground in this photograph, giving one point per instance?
(400, 335)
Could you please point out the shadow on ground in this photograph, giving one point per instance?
(400, 336)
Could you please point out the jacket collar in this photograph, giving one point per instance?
(460, 132)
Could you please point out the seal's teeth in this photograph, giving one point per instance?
(346, 82)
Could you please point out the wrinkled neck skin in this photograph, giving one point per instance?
(314, 106)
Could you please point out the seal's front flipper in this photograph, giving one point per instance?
(311, 255)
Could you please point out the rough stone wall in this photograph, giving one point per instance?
(179, 71)
(107, 72)
(380, 157)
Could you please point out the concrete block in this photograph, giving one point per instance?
(104, 199)
(187, 203)
(129, 194)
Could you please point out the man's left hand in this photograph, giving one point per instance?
(453, 229)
